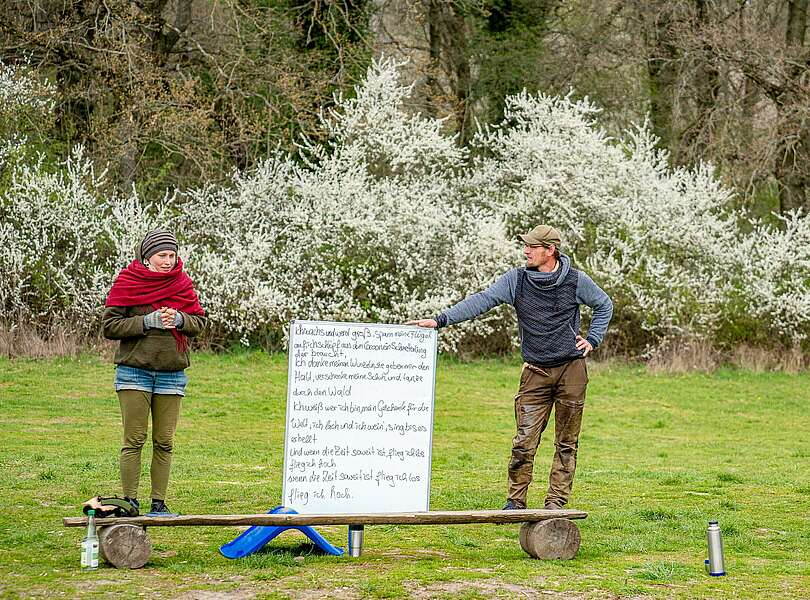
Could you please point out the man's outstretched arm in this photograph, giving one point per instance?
(500, 292)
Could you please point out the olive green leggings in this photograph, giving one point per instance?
(135, 408)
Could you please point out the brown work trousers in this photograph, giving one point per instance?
(541, 389)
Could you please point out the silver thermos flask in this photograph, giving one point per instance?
(355, 540)
(715, 539)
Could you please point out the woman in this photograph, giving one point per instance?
(152, 309)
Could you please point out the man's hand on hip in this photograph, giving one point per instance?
(583, 344)
(428, 323)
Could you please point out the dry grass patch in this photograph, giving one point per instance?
(490, 588)
(689, 355)
(684, 356)
(29, 341)
(761, 360)
(237, 594)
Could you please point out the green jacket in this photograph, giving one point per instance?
(153, 349)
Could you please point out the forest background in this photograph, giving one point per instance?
(181, 102)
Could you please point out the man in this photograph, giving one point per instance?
(546, 294)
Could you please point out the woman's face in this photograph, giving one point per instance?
(162, 262)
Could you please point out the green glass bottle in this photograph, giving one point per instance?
(90, 544)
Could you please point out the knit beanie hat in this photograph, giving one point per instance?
(156, 241)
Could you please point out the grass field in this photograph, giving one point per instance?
(659, 457)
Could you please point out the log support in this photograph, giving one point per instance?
(124, 546)
(555, 539)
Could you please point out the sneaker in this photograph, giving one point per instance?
(512, 505)
(134, 503)
(159, 509)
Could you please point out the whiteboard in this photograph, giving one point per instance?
(359, 418)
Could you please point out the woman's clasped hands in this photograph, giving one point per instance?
(167, 316)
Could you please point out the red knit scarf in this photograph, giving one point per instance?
(136, 286)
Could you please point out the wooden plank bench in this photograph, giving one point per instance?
(545, 534)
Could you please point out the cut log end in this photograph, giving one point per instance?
(124, 546)
(550, 540)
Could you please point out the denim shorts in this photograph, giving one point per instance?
(146, 380)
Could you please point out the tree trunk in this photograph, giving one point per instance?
(450, 63)
(697, 137)
(797, 23)
(399, 31)
(791, 168)
(662, 74)
(167, 35)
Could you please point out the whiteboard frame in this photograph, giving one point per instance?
(289, 389)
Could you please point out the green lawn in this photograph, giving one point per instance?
(659, 457)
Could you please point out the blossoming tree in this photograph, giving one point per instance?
(392, 219)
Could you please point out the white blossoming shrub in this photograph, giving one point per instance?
(50, 231)
(63, 234)
(370, 227)
(774, 290)
(23, 97)
(391, 220)
(663, 242)
(654, 238)
(64, 242)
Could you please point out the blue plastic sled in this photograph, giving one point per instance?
(257, 536)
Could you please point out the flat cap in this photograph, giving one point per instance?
(542, 235)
